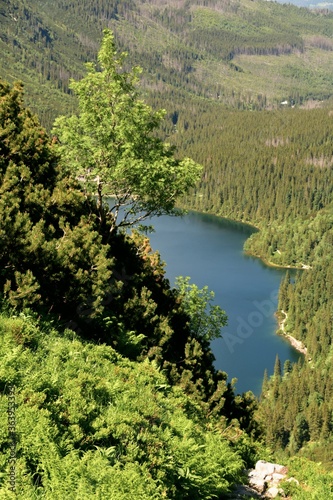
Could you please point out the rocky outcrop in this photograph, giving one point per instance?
(264, 482)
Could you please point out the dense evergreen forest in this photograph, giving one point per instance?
(273, 169)
(87, 326)
(248, 92)
(241, 54)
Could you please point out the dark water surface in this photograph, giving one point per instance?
(210, 251)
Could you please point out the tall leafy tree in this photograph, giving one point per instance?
(111, 147)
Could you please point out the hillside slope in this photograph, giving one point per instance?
(237, 53)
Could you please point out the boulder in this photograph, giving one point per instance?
(268, 469)
(258, 483)
(276, 478)
(292, 480)
(265, 468)
(265, 479)
(273, 492)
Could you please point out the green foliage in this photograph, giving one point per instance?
(263, 168)
(90, 423)
(302, 408)
(51, 254)
(278, 52)
(110, 145)
(206, 319)
(272, 169)
(54, 258)
(314, 481)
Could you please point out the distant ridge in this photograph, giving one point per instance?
(243, 54)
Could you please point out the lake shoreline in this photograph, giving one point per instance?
(297, 344)
(279, 266)
(249, 254)
(209, 249)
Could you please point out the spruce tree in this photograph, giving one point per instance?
(276, 377)
(51, 255)
(277, 368)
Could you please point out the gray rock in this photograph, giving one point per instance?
(292, 480)
(273, 492)
(267, 468)
(264, 482)
(276, 478)
(281, 469)
(258, 483)
(244, 491)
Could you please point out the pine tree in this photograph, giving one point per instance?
(51, 255)
(276, 377)
(287, 367)
(265, 385)
(277, 368)
(284, 293)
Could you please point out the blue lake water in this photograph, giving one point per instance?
(210, 250)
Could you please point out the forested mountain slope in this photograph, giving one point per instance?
(235, 53)
(86, 412)
(311, 4)
(221, 69)
(265, 168)
(274, 170)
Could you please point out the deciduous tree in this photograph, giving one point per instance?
(111, 146)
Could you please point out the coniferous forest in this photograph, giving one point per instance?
(114, 387)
